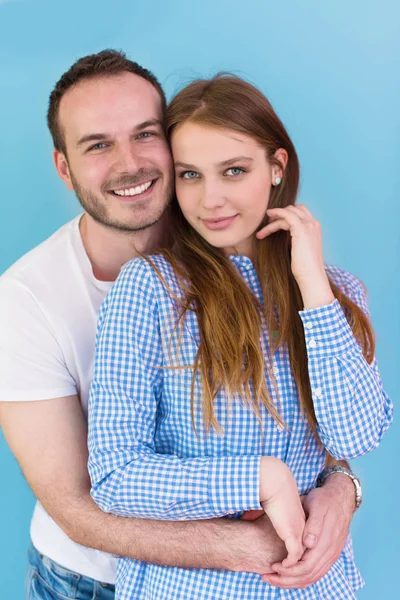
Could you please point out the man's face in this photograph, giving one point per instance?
(118, 160)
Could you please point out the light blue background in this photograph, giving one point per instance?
(331, 69)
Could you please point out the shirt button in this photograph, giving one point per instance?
(312, 343)
(280, 427)
(275, 370)
(231, 512)
(318, 392)
(309, 325)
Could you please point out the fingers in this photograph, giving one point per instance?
(283, 506)
(306, 572)
(295, 551)
(272, 227)
(287, 517)
(292, 582)
(310, 563)
(305, 211)
(314, 523)
(316, 509)
(324, 521)
(285, 218)
(290, 214)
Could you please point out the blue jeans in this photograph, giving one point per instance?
(47, 580)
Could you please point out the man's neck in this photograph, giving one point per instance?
(109, 249)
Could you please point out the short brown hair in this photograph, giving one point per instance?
(104, 63)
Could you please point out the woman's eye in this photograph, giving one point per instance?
(189, 175)
(234, 171)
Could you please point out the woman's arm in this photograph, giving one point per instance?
(352, 409)
(129, 477)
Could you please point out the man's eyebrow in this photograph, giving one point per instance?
(224, 163)
(92, 137)
(148, 123)
(98, 137)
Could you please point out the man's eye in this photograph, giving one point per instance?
(234, 171)
(189, 175)
(98, 146)
(146, 134)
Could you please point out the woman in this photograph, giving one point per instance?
(228, 365)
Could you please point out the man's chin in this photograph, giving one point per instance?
(126, 225)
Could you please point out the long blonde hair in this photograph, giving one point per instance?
(229, 316)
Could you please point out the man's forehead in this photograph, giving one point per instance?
(108, 97)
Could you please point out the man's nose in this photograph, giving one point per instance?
(127, 160)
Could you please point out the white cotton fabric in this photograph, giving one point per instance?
(49, 300)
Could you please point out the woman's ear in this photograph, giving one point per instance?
(282, 156)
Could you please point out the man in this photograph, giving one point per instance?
(106, 118)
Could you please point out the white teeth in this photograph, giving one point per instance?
(135, 190)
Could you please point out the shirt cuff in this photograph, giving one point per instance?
(234, 484)
(327, 331)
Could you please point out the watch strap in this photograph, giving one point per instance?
(323, 476)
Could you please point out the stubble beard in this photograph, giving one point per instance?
(96, 207)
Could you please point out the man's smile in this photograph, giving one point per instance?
(134, 191)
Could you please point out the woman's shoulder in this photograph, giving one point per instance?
(148, 272)
(145, 266)
(351, 285)
(343, 278)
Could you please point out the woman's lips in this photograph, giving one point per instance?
(219, 223)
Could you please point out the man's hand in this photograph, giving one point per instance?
(329, 511)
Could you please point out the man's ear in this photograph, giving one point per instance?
(62, 167)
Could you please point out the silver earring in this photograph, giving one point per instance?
(277, 181)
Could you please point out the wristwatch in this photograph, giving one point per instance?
(323, 476)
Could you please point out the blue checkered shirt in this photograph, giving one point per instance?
(146, 460)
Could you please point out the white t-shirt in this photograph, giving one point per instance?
(49, 300)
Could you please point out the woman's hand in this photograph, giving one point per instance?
(281, 501)
(307, 258)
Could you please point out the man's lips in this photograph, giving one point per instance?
(219, 222)
(133, 190)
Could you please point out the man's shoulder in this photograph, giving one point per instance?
(43, 265)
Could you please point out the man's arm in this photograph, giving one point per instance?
(49, 440)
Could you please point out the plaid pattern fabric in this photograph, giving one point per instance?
(147, 461)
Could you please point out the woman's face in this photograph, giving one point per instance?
(223, 183)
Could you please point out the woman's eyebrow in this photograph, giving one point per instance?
(235, 159)
(223, 163)
(178, 163)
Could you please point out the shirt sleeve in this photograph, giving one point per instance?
(129, 477)
(32, 365)
(352, 409)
